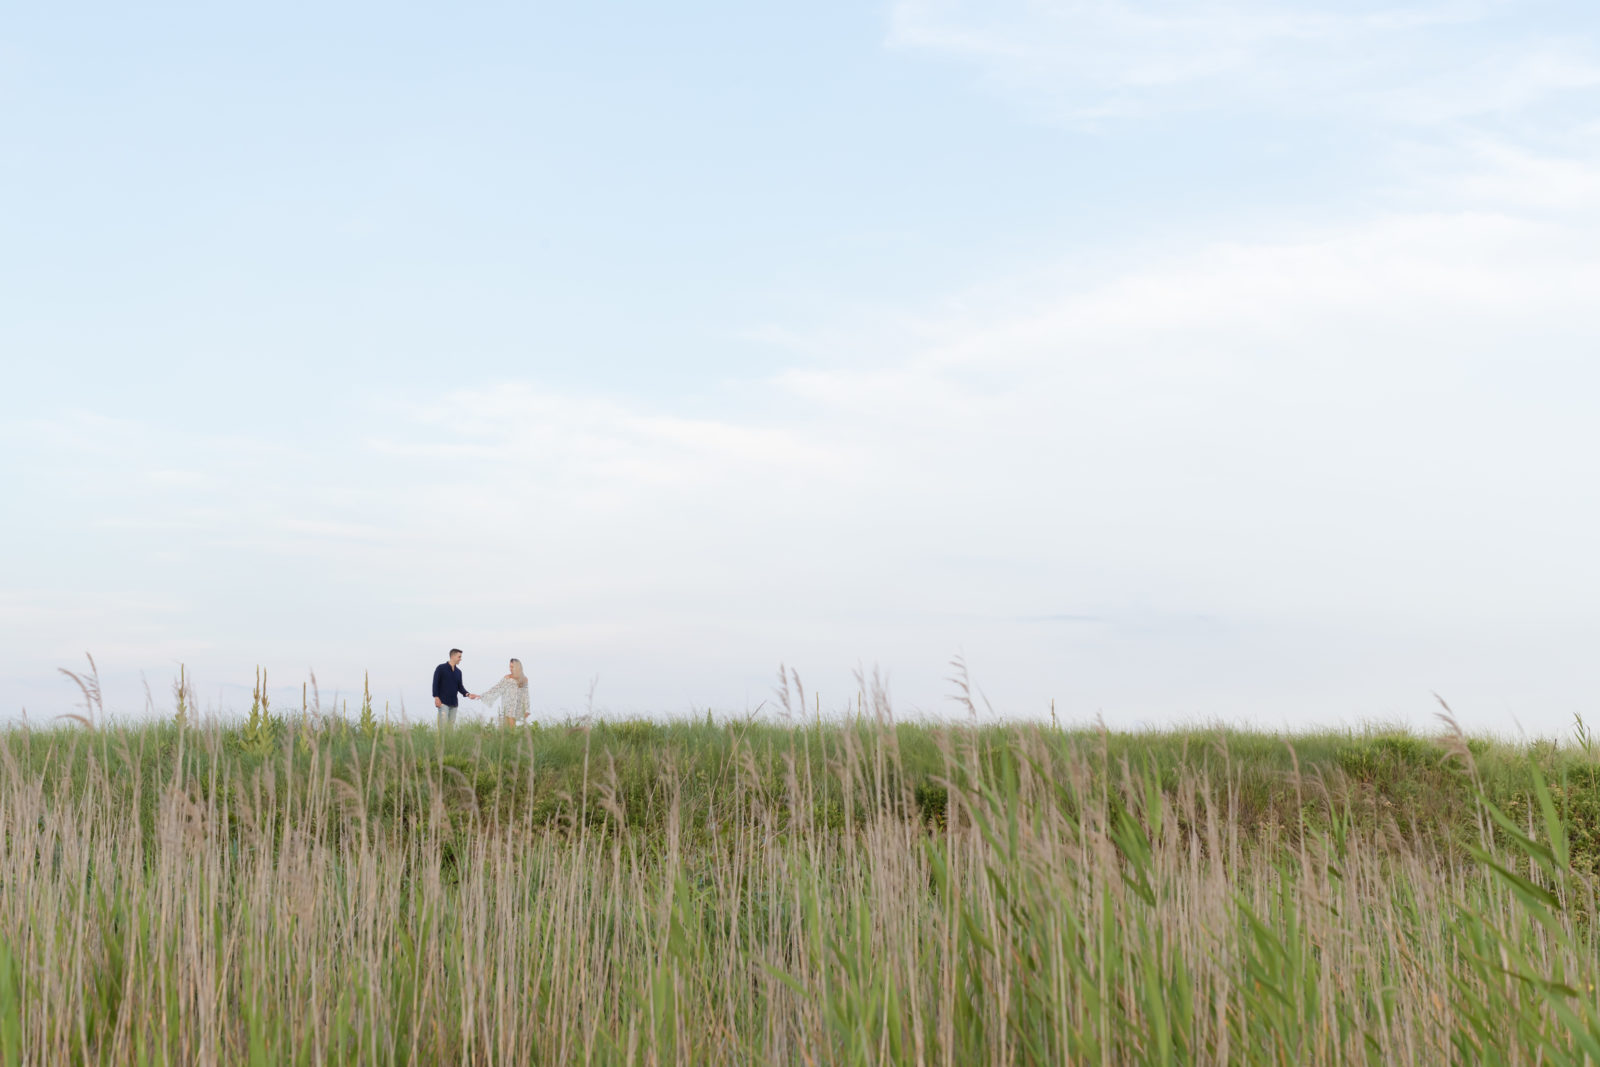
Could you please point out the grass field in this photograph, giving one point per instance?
(311, 890)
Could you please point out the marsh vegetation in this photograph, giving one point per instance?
(298, 890)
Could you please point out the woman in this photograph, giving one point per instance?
(512, 693)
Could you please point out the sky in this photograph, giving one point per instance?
(1172, 362)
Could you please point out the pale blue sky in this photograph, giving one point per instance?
(1172, 360)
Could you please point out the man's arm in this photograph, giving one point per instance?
(463, 687)
(438, 685)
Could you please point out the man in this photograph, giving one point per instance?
(447, 687)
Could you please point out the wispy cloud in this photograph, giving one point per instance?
(1089, 60)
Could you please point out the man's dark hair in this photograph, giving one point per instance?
(455, 651)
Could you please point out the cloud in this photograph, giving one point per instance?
(1561, 187)
(1365, 425)
(1091, 60)
(592, 442)
(1346, 462)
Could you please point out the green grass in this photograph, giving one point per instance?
(292, 890)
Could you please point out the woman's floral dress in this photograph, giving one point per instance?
(513, 699)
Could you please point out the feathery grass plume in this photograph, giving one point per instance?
(88, 683)
(368, 724)
(257, 735)
(182, 698)
(962, 681)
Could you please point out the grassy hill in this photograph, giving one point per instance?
(307, 889)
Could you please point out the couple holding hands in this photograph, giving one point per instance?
(511, 692)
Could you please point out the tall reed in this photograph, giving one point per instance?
(378, 895)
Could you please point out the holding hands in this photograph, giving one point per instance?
(510, 692)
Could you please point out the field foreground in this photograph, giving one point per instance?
(311, 891)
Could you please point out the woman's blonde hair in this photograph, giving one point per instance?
(516, 672)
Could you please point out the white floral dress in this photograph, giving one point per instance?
(513, 699)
